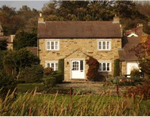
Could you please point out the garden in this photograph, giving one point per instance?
(27, 89)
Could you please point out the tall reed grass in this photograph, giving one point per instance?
(33, 104)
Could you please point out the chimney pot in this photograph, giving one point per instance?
(41, 19)
(40, 14)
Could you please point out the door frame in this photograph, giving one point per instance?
(74, 59)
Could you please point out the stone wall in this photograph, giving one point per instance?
(123, 68)
(87, 46)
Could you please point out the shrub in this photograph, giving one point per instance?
(145, 66)
(61, 66)
(32, 74)
(49, 81)
(59, 77)
(92, 73)
(140, 90)
(60, 73)
(135, 73)
(15, 61)
(2, 54)
(116, 68)
(48, 71)
(7, 83)
(122, 81)
(30, 87)
(3, 44)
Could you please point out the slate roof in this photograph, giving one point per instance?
(79, 29)
(128, 43)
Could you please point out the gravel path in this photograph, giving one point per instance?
(93, 87)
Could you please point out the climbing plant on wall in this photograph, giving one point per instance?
(92, 73)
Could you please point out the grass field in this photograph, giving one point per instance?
(77, 105)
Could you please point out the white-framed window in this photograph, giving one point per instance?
(104, 44)
(104, 66)
(52, 64)
(52, 45)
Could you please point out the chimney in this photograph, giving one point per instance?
(139, 29)
(41, 19)
(116, 19)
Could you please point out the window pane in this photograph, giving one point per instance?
(81, 64)
(48, 65)
(104, 45)
(107, 44)
(75, 66)
(104, 66)
(52, 65)
(108, 66)
(48, 45)
(52, 45)
(56, 45)
(100, 47)
(100, 65)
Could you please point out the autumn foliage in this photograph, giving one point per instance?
(141, 90)
(142, 51)
(92, 73)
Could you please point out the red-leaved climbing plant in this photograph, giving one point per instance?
(92, 73)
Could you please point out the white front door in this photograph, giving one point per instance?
(77, 69)
(131, 66)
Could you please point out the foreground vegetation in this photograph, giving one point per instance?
(77, 105)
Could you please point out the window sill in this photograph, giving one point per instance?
(105, 50)
(52, 50)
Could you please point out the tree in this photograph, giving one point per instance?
(3, 44)
(7, 83)
(24, 39)
(6, 14)
(26, 13)
(13, 20)
(15, 61)
(31, 25)
(31, 74)
(144, 8)
(2, 54)
(142, 51)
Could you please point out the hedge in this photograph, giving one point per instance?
(61, 66)
(31, 74)
(30, 87)
(116, 67)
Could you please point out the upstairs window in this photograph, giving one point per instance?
(52, 45)
(104, 66)
(104, 45)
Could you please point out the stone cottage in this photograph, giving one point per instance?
(74, 40)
